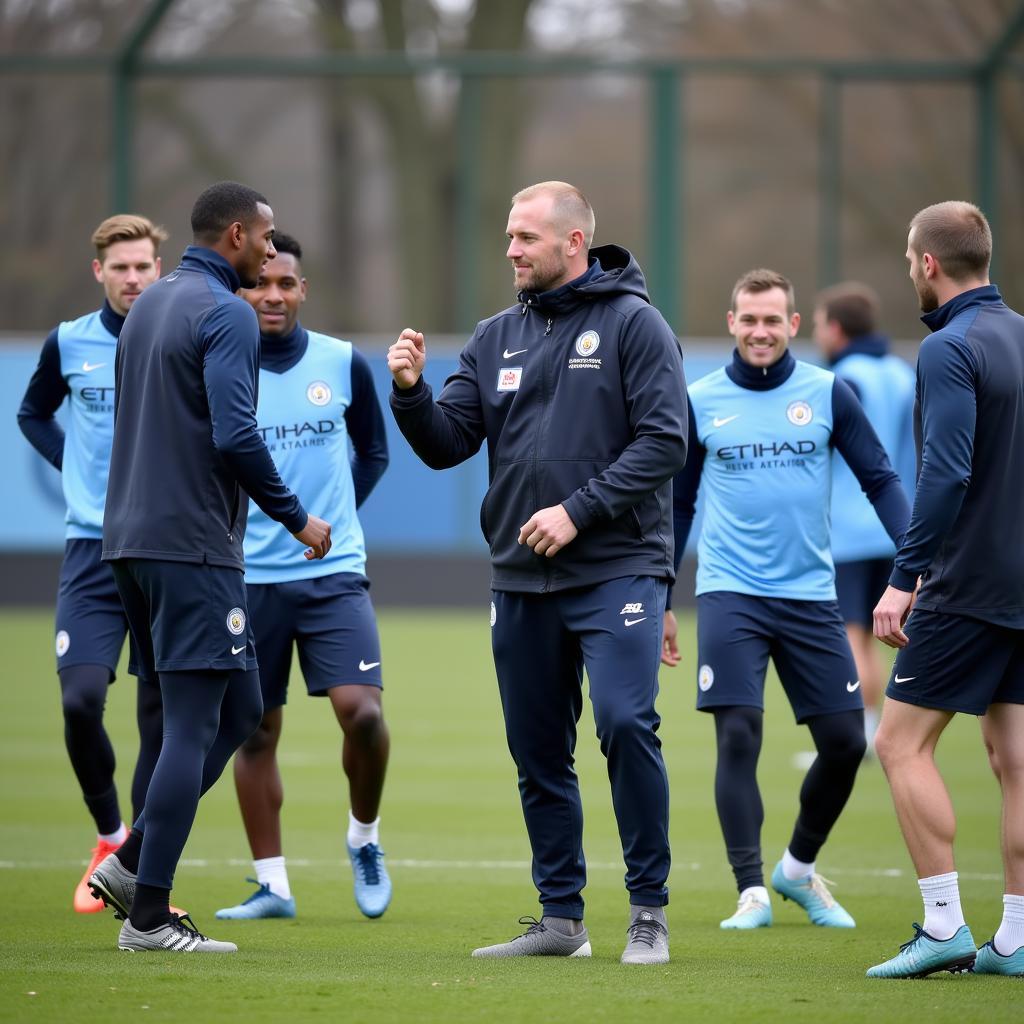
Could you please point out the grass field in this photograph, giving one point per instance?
(453, 831)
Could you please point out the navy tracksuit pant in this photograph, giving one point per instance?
(541, 644)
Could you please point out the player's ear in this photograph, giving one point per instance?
(794, 324)
(97, 270)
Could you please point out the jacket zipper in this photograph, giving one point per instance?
(546, 587)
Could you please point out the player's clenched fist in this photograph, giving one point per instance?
(548, 531)
(316, 534)
(407, 357)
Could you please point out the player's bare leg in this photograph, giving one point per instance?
(260, 798)
(1002, 728)
(871, 672)
(364, 758)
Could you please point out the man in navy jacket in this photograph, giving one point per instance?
(962, 649)
(578, 391)
(186, 454)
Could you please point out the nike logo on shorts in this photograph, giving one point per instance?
(238, 650)
(365, 666)
(902, 679)
(633, 622)
(853, 687)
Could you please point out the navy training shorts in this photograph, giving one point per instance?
(806, 640)
(859, 585)
(185, 615)
(90, 621)
(330, 620)
(956, 663)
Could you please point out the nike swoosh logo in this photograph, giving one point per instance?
(88, 367)
(518, 352)
(716, 422)
(902, 679)
(633, 622)
(853, 687)
(365, 666)
(238, 650)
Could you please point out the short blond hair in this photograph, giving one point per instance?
(957, 234)
(764, 280)
(126, 227)
(570, 208)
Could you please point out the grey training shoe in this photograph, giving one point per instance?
(180, 936)
(113, 883)
(647, 941)
(541, 938)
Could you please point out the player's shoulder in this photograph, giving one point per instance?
(329, 343)
(511, 315)
(88, 325)
(810, 373)
(710, 381)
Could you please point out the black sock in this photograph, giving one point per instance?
(738, 733)
(839, 739)
(129, 852)
(151, 907)
(105, 811)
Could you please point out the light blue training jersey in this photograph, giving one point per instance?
(767, 479)
(301, 417)
(885, 386)
(87, 350)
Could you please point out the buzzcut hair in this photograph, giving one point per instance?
(762, 279)
(957, 234)
(852, 305)
(219, 206)
(288, 244)
(571, 207)
(126, 227)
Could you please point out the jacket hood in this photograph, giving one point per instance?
(612, 271)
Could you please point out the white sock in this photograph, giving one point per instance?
(871, 717)
(757, 892)
(794, 869)
(1010, 934)
(116, 838)
(942, 912)
(271, 871)
(359, 833)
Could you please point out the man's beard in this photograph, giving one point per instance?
(926, 297)
(541, 279)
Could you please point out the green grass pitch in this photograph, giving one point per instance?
(457, 847)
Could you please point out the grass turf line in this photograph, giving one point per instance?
(451, 796)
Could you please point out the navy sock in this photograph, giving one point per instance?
(151, 907)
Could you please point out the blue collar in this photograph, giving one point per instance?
(279, 353)
(111, 320)
(760, 378)
(986, 295)
(876, 345)
(198, 257)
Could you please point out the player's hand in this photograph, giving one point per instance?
(548, 531)
(669, 645)
(406, 358)
(891, 614)
(316, 535)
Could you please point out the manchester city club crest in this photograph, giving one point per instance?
(63, 643)
(799, 414)
(587, 343)
(319, 392)
(236, 621)
(705, 677)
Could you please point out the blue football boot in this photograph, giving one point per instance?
(370, 879)
(991, 961)
(924, 955)
(812, 894)
(262, 903)
(750, 913)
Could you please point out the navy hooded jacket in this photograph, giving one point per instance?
(186, 448)
(579, 394)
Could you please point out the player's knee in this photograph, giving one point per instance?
(888, 748)
(362, 720)
(618, 722)
(82, 706)
(738, 734)
(263, 739)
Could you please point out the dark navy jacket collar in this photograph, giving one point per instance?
(876, 345)
(198, 257)
(111, 320)
(760, 378)
(279, 354)
(564, 296)
(986, 295)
